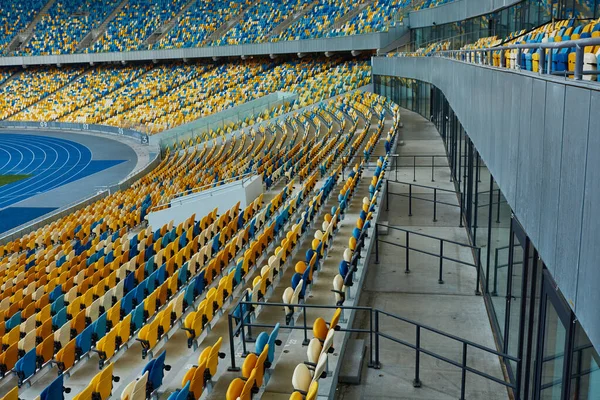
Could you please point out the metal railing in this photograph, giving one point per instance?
(485, 56)
(241, 326)
(439, 255)
(435, 200)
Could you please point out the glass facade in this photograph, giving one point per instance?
(530, 318)
(527, 14)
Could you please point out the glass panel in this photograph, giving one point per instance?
(499, 246)
(553, 355)
(516, 300)
(585, 371)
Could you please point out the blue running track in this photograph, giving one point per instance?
(51, 162)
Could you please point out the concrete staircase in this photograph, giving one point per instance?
(223, 29)
(162, 31)
(93, 35)
(25, 35)
(351, 14)
(291, 20)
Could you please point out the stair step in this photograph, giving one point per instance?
(353, 361)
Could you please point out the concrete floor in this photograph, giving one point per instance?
(451, 307)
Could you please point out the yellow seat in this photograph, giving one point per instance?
(102, 383)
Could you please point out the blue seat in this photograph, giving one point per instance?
(137, 317)
(55, 293)
(261, 341)
(200, 285)
(273, 341)
(239, 270)
(149, 267)
(83, 341)
(181, 394)
(99, 328)
(157, 371)
(183, 274)
(129, 282)
(215, 243)
(13, 321)
(161, 275)
(25, 367)
(150, 283)
(296, 278)
(57, 304)
(188, 297)
(127, 303)
(59, 319)
(55, 391)
(140, 291)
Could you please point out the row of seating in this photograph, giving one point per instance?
(317, 22)
(15, 17)
(65, 24)
(318, 246)
(378, 16)
(134, 23)
(563, 60)
(103, 227)
(63, 27)
(29, 87)
(304, 377)
(258, 21)
(198, 22)
(237, 272)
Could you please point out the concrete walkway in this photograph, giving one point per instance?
(451, 307)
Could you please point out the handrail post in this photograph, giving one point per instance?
(549, 69)
(440, 279)
(243, 317)
(407, 270)
(306, 341)
(478, 262)
(371, 349)
(387, 195)
(542, 62)
(376, 243)
(414, 168)
(578, 62)
(435, 205)
(463, 377)
(410, 200)
(231, 345)
(377, 364)
(501, 58)
(417, 380)
(432, 167)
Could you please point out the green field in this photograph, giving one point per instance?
(6, 179)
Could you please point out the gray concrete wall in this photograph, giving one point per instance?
(456, 11)
(370, 41)
(540, 138)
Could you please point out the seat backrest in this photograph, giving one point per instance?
(314, 350)
(321, 364)
(301, 378)
(328, 343)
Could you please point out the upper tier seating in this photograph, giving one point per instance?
(135, 22)
(259, 21)
(65, 25)
(15, 17)
(180, 23)
(199, 22)
(318, 21)
(376, 17)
